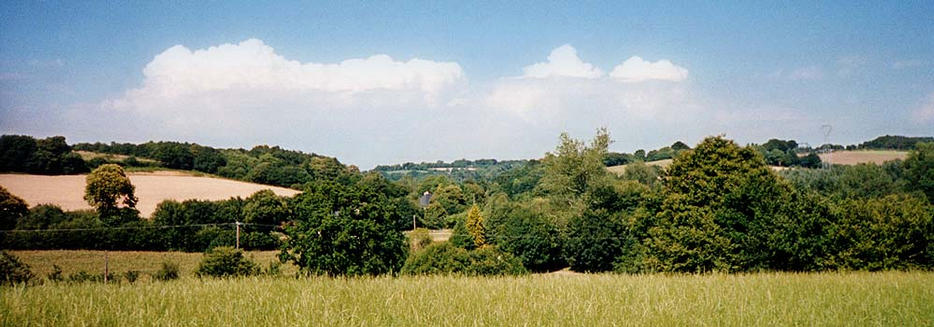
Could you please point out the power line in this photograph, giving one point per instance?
(127, 228)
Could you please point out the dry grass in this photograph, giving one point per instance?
(67, 191)
(767, 299)
(619, 170)
(72, 261)
(862, 156)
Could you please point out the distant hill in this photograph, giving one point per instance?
(894, 142)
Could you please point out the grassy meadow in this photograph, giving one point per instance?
(146, 262)
(852, 298)
(890, 298)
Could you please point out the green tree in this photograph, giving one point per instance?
(265, 207)
(12, 209)
(108, 186)
(475, 225)
(343, 230)
(920, 169)
(719, 199)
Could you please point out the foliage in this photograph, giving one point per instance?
(50, 156)
(169, 271)
(705, 214)
(13, 271)
(528, 235)
(12, 209)
(475, 225)
(594, 241)
(419, 239)
(106, 186)
(445, 258)
(894, 142)
(225, 261)
(344, 230)
(893, 232)
(919, 168)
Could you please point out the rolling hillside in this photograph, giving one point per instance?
(67, 191)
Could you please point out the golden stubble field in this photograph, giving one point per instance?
(67, 191)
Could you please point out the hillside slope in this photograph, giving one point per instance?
(67, 191)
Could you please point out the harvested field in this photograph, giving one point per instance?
(619, 170)
(67, 191)
(856, 157)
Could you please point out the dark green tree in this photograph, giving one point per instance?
(343, 230)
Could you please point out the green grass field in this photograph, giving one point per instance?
(854, 298)
(889, 299)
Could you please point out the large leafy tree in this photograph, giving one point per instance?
(344, 230)
(12, 209)
(107, 187)
(721, 202)
(920, 169)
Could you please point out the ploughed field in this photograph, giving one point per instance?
(67, 191)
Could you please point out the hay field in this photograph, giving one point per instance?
(67, 191)
(763, 299)
(619, 170)
(72, 261)
(862, 156)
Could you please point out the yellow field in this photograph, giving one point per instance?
(862, 156)
(764, 299)
(619, 170)
(67, 191)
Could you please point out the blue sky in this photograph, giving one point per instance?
(393, 82)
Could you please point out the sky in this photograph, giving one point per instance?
(392, 82)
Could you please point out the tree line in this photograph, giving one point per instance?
(717, 207)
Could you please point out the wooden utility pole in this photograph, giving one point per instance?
(238, 234)
(106, 265)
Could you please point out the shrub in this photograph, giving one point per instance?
(530, 236)
(488, 260)
(419, 239)
(595, 239)
(439, 258)
(274, 268)
(169, 271)
(13, 271)
(131, 276)
(56, 274)
(225, 261)
(445, 258)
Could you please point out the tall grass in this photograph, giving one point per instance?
(890, 298)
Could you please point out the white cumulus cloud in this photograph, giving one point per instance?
(635, 69)
(252, 69)
(562, 62)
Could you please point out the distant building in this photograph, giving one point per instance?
(424, 199)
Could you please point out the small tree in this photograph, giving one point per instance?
(475, 225)
(107, 186)
(12, 209)
(13, 271)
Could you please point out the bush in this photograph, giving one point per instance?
(13, 271)
(419, 239)
(528, 235)
(56, 274)
(595, 240)
(169, 271)
(445, 258)
(225, 261)
(488, 260)
(131, 276)
(439, 258)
